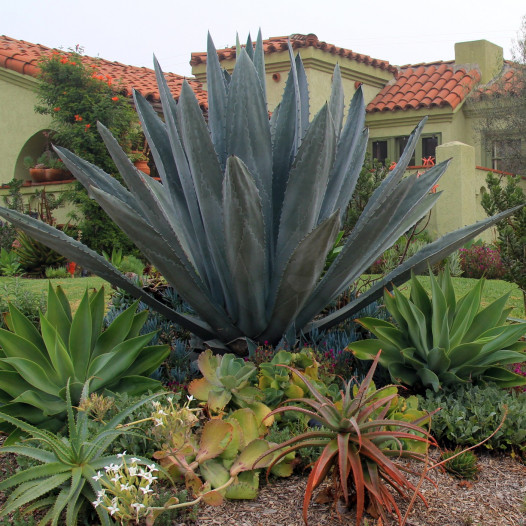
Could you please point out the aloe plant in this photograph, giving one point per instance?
(35, 367)
(68, 464)
(248, 207)
(445, 341)
(361, 434)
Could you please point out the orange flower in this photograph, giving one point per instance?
(434, 189)
(87, 127)
(56, 109)
(78, 118)
(64, 60)
(392, 166)
(428, 161)
(115, 99)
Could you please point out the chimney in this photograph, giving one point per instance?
(488, 57)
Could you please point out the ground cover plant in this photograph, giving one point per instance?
(249, 208)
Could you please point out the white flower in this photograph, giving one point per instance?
(125, 487)
(132, 471)
(152, 467)
(134, 460)
(97, 477)
(97, 502)
(190, 398)
(149, 477)
(146, 490)
(158, 422)
(116, 478)
(161, 412)
(138, 505)
(111, 467)
(120, 455)
(113, 510)
(114, 501)
(101, 493)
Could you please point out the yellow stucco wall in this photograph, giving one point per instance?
(20, 123)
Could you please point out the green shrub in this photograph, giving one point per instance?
(9, 265)
(56, 273)
(27, 302)
(470, 413)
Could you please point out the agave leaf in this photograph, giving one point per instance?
(336, 102)
(259, 63)
(504, 378)
(247, 130)
(464, 353)
(438, 361)
(217, 101)
(14, 346)
(24, 328)
(487, 317)
(306, 186)
(428, 255)
(245, 237)
(60, 358)
(80, 337)
(148, 360)
(350, 153)
(90, 260)
(502, 337)
(467, 309)
(300, 276)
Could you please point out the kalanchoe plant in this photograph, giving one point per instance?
(35, 367)
(359, 441)
(249, 207)
(442, 341)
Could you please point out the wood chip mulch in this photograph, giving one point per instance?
(495, 498)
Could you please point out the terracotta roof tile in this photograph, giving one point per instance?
(511, 82)
(297, 41)
(426, 86)
(23, 57)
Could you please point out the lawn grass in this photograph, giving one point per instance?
(73, 287)
(493, 289)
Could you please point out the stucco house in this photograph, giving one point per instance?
(397, 98)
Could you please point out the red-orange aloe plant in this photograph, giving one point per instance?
(359, 439)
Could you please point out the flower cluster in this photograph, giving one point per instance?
(127, 493)
(481, 261)
(172, 424)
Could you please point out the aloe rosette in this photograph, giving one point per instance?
(442, 341)
(249, 207)
(361, 435)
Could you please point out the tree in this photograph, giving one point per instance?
(77, 96)
(502, 107)
(511, 231)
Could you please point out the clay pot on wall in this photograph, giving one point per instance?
(142, 166)
(46, 175)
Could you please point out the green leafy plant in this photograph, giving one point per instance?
(463, 466)
(29, 303)
(35, 367)
(9, 265)
(359, 441)
(248, 208)
(225, 379)
(34, 256)
(469, 412)
(56, 273)
(69, 464)
(442, 341)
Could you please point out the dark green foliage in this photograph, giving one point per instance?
(512, 231)
(76, 97)
(469, 414)
(463, 466)
(34, 256)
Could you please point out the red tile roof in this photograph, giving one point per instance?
(23, 57)
(297, 41)
(511, 82)
(437, 84)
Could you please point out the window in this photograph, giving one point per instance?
(380, 151)
(505, 154)
(392, 148)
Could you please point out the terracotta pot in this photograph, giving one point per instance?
(142, 166)
(46, 175)
(37, 174)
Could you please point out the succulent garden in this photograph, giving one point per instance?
(264, 331)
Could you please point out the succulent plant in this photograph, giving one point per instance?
(248, 207)
(68, 464)
(442, 341)
(36, 367)
(463, 465)
(359, 440)
(225, 378)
